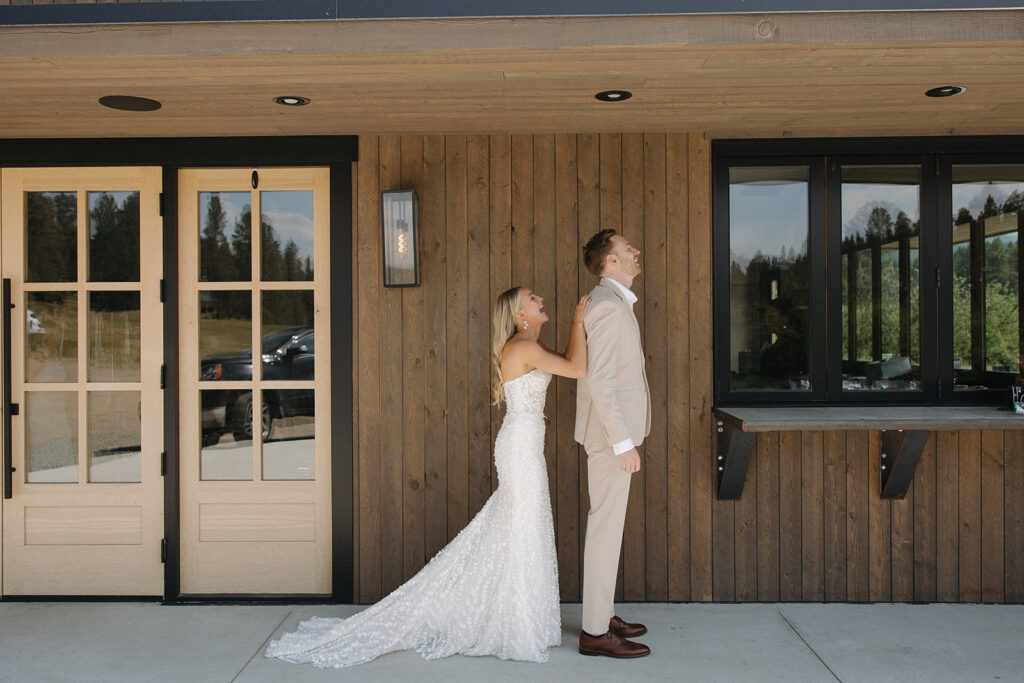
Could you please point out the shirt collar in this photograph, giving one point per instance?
(627, 293)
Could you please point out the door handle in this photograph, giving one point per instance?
(8, 408)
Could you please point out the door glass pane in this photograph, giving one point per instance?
(881, 278)
(114, 236)
(287, 335)
(51, 229)
(226, 418)
(225, 335)
(115, 436)
(115, 354)
(51, 437)
(988, 213)
(51, 337)
(769, 278)
(225, 239)
(286, 234)
(288, 444)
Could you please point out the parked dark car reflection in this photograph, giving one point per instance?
(287, 354)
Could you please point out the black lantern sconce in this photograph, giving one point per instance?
(401, 252)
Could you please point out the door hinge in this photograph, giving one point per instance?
(163, 464)
(163, 294)
(163, 550)
(163, 375)
(14, 409)
(938, 277)
(161, 202)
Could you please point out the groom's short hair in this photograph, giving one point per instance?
(596, 249)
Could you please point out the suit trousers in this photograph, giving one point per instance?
(609, 493)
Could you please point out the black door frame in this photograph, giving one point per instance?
(172, 154)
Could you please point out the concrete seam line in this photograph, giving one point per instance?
(813, 651)
(263, 645)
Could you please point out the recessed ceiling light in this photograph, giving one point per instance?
(129, 103)
(613, 95)
(946, 91)
(292, 100)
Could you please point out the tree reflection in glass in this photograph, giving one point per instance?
(225, 257)
(286, 233)
(113, 236)
(51, 229)
(768, 278)
(881, 278)
(988, 214)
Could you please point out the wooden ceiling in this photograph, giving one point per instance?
(795, 75)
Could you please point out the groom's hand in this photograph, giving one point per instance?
(630, 460)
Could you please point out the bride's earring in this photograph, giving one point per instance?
(526, 325)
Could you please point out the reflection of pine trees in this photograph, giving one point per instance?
(225, 260)
(114, 249)
(282, 263)
(881, 238)
(51, 251)
(880, 228)
(1000, 279)
(216, 257)
(241, 247)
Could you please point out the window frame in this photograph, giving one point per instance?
(825, 158)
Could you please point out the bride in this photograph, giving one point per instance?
(494, 589)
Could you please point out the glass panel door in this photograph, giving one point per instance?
(881, 278)
(988, 216)
(769, 279)
(254, 442)
(82, 248)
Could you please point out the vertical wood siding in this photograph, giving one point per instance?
(497, 211)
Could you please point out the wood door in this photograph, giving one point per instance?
(82, 251)
(255, 437)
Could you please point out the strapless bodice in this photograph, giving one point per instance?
(526, 393)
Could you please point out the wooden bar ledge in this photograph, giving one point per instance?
(904, 431)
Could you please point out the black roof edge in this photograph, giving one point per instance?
(348, 10)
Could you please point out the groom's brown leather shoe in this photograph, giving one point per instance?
(611, 645)
(626, 630)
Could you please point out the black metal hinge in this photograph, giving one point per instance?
(14, 409)
(163, 550)
(163, 293)
(163, 376)
(163, 464)
(161, 203)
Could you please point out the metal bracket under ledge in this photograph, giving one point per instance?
(901, 451)
(732, 458)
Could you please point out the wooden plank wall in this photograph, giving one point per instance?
(501, 210)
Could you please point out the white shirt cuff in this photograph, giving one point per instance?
(623, 446)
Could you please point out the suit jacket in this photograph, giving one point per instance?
(613, 401)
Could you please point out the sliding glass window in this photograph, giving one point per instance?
(987, 217)
(868, 272)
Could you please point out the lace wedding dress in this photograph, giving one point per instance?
(492, 591)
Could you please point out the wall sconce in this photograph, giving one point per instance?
(401, 252)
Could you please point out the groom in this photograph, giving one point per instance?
(613, 415)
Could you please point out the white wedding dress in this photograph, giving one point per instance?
(492, 591)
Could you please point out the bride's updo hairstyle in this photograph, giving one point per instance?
(503, 326)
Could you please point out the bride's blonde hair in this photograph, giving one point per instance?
(503, 326)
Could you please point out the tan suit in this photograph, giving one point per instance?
(613, 403)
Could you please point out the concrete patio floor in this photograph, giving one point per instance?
(103, 641)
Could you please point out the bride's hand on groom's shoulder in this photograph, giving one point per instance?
(581, 309)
